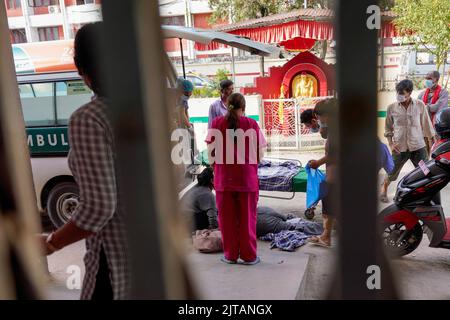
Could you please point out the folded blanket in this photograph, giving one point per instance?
(286, 240)
(277, 176)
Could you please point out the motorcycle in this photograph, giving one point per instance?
(417, 206)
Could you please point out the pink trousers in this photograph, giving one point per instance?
(237, 223)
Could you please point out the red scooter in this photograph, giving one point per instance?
(417, 205)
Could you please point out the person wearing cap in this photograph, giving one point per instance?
(183, 115)
(435, 97)
(183, 122)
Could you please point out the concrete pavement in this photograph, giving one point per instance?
(304, 274)
(278, 276)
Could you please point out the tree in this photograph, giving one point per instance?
(238, 10)
(386, 5)
(427, 24)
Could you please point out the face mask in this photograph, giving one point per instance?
(401, 98)
(314, 130)
(184, 97)
(429, 83)
(321, 124)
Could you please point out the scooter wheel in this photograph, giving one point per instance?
(399, 241)
(309, 213)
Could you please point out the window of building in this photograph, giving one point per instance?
(81, 2)
(48, 33)
(42, 3)
(18, 36)
(174, 21)
(13, 4)
(423, 57)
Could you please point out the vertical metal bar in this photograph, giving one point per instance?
(182, 58)
(55, 107)
(233, 66)
(262, 122)
(66, 26)
(20, 275)
(382, 70)
(297, 125)
(356, 152)
(136, 91)
(261, 67)
(30, 32)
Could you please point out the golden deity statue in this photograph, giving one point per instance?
(304, 86)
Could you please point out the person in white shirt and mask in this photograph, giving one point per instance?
(409, 131)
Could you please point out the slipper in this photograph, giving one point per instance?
(251, 263)
(225, 260)
(319, 242)
(384, 198)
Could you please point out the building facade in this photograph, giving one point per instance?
(47, 20)
(188, 13)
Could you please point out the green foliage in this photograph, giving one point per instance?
(205, 92)
(221, 74)
(238, 10)
(386, 5)
(425, 23)
(212, 91)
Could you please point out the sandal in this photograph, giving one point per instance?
(320, 242)
(225, 260)
(251, 263)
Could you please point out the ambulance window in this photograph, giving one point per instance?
(37, 104)
(70, 95)
(43, 90)
(25, 91)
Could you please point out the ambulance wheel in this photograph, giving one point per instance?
(309, 213)
(61, 202)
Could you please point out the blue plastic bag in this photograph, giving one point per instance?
(315, 186)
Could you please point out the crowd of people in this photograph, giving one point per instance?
(408, 129)
(234, 209)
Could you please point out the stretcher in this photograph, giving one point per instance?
(299, 181)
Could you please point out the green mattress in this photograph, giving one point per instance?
(300, 180)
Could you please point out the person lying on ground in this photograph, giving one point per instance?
(271, 221)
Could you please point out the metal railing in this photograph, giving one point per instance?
(280, 120)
